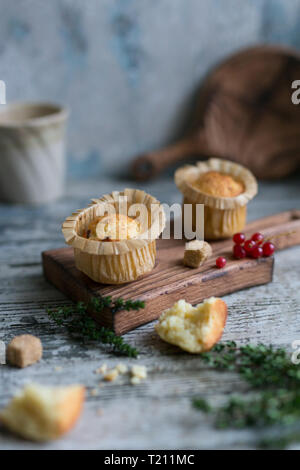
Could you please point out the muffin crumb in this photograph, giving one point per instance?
(122, 368)
(138, 372)
(102, 369)
(111, 375)
(135, 380)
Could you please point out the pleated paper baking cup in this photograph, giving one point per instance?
(116, 262)
(219, 223)
(188, 174)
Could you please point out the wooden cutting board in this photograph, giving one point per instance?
(170, 280)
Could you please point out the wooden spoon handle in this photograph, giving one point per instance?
(150, 164)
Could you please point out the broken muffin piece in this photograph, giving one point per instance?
(43, 413)
(193, 329)
(24, 350)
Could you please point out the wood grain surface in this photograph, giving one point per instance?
(157, 414)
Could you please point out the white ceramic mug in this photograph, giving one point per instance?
(32, 152)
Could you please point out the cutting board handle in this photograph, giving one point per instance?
(150, 164)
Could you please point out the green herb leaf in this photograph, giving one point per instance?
(202, 405)
(76, 320)
(270, 374)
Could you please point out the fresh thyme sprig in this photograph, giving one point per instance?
(76, 320)
(280, 442)
(266, 409)
(270, 374)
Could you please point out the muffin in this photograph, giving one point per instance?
(193, 329)
(114, 239)
(112, 228)
(41, 413)
(224, 188)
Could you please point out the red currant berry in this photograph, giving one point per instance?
(268, 249)
(239, 238)
(249, 245)
(257, 238)
(221, 262)
(257, 252)
(239, 252)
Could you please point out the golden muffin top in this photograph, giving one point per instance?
(112, 228)
(218, 184)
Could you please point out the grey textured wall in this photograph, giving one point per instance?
(127, 68)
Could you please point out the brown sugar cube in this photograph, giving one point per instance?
(196, 253)
(24, 350)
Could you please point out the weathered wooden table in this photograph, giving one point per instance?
(158, 412)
